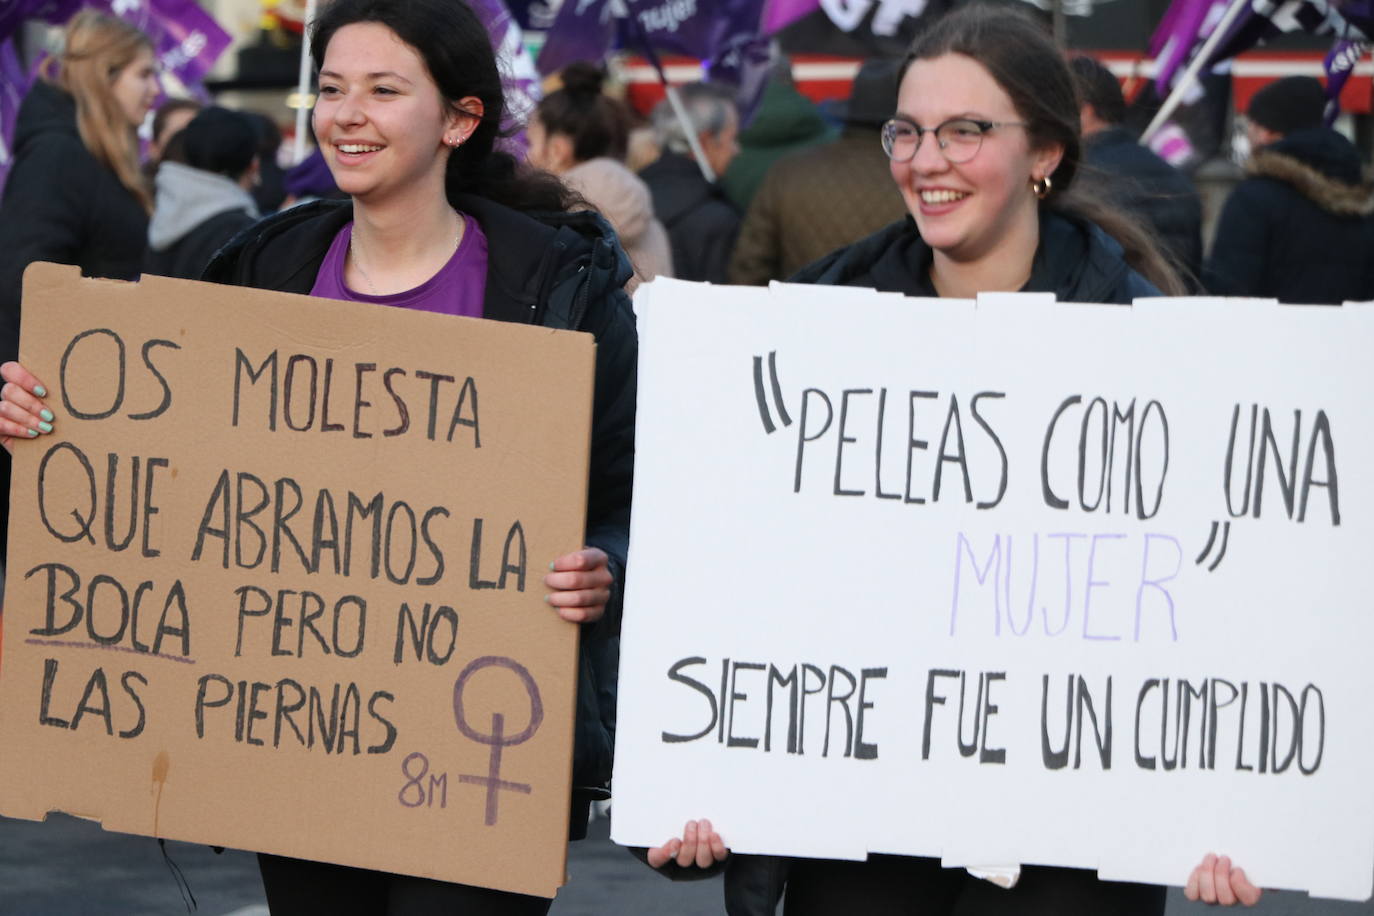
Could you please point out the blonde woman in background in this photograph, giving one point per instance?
(76, 193)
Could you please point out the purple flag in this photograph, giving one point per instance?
(14, 12)
(724, 34)
(705, 29)
(744, 64)
(1182, 30)
(187, 39)
(583, 30)
(1339, 64)
(14, 84)
(518, 77)
(1265, 19)
(779, 14)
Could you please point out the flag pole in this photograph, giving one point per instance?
(303, 85)
(1200, 59)
(674, 99)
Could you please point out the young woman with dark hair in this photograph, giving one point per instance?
(409, 109)
(580, 134)
(984, 149)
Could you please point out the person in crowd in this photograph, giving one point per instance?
(985, 149)
(825, 197)
(76, 193)
(1149, 188)
(784, 122)
(204, 198)
(269, 193)
(168, 121)
(701, 221)
(1300, 227)
(410, 107)
(580, 134)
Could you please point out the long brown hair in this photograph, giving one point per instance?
(1023, 59)
(97, 47)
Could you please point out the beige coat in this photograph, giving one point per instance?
(620, 196)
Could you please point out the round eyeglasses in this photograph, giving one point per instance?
(959, 139)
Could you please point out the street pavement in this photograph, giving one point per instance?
(69, 867)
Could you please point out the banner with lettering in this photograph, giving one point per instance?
(1013, 581)
(275, 578)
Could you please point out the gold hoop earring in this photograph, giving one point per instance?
(1042, 187)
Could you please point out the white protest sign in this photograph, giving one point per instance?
(1019, 581)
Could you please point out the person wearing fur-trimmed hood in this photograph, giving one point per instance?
(1300, 227)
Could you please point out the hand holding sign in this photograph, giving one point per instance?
(580, 585)
(699, 845)
(22, 414)
(1215, 880)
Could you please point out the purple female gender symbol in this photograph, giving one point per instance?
(497, 739)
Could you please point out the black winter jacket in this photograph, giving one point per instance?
(1301, 227)
(1076, 261)
(1151, 190)
(702, 223)
(563, 271)
(61, 204)
(188, 257)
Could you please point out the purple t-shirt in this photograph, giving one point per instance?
(457, 289)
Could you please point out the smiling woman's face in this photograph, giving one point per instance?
(965, 211)
(380, 119)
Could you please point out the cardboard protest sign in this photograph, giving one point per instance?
(1007, 582)
(275, 580)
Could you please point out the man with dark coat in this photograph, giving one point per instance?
(824, 198)
(1300, 228)
(203, 197)
(701, 221)
(1140, 182)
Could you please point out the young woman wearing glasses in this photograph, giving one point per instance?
(984, 149)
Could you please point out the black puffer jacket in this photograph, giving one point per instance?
(702, 223)
(1152, 190)
(1076, 261)
(61, 204)
(1301, 227)
(563, 271)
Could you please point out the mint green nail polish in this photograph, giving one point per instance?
(32, 433)
(40, 391)
(46, 414)
(550, 567)
(46, 427)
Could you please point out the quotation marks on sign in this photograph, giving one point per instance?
(762, 398)
(1225, 528)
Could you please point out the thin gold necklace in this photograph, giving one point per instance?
(355, 251)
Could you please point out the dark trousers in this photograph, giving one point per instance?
(905, 886)
(298, 888)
